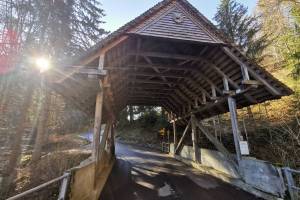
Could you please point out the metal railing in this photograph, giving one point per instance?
(62, 192)
(165, 147)
(294, 191)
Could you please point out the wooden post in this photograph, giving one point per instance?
(112, 150)
(235, 127)
(245, 72)
(213, 92)
(196, 103)
(215, 126)
(97, 125)
(225, 83)
(175, 134)
(98, 113)
(203, 98)
(195, 140)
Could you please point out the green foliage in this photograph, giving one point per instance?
(292, 38)
(241, 29)
(58, 29)
(145, 117)
(281, 23)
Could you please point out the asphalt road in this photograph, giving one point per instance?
(142, 174)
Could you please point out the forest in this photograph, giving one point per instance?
(41, 130)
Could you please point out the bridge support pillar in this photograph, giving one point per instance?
(97, 125)
(175, 134)
(195, 140)
(235, 127)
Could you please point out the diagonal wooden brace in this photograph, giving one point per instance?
(220, 147)
(180, 143)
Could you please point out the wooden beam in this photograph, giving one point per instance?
(131, 66)
(180, 143)
(169, 56)
(269, 87)
(156, 74)
(222, 74)
(219, 146)
(225, 84)
(103, 50)
(186, 99)
(174, 134)
(203, 98)
(152, 81)
(97, 125)
(195, 140)
(235, 127)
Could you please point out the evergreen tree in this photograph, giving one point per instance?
(242, 29)
(281, 22)
(57, 29)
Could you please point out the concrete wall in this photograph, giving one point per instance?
(262, 175)
(218, 161)
(257, 173)
(209, 158)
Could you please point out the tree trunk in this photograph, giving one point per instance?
(9, 172)
(42, 127)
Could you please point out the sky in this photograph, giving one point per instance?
(119, 12)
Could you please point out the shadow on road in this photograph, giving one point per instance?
(163, 178)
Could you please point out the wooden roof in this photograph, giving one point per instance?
(171, 56)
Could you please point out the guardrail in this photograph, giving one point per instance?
(62, 192)
(294, 191)
(165, 147)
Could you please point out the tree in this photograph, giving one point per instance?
(280, 19)
(243, 30)
(55, 29)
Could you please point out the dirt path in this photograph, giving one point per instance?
(141, 174)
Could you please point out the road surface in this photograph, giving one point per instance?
(141, 174)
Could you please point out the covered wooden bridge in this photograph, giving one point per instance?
(170, 56)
